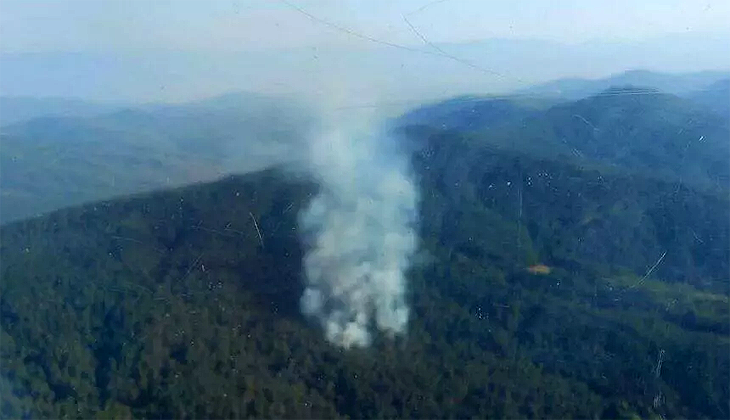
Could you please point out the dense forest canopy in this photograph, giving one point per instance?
(573, 262)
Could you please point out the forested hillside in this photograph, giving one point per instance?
(626, 129)
(546, 286)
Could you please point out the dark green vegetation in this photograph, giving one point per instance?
(621, 130)
(168, 304)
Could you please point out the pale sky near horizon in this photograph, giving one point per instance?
(239, 25)
(177, 50)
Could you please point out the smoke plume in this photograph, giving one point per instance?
(359, 235)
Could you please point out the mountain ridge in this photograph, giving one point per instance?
(170, 303)
(49, 162)
(651, 133)
(675, 83)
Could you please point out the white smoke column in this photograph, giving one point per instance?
(360, 235)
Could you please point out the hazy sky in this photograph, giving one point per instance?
(79, 25)
(179, 49)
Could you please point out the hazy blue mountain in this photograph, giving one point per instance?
(17, 109)
(472, 112)
(52, 162)
(577, 88)
(716, 97)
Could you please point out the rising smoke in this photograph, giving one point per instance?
(359, 234)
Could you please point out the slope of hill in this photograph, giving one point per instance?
(470, 113)
(52, 162)
(15, 109)
(715, 97)
(633, 129)
(537, 301)
(651, 132)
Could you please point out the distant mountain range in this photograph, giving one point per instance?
(369, 71)
(17, 109)
(54, 161)
(677, 84)
(703, 86)
(59, 152)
